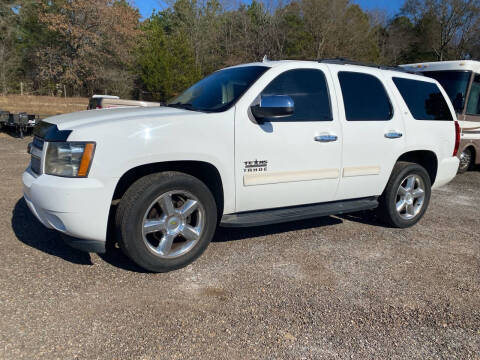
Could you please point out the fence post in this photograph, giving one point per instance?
(65, 91)
(21, 88)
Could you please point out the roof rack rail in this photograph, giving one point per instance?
(344, 61)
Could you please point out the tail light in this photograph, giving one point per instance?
(457, 138)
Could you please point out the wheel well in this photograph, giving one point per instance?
(425, 158)
(474, 152)
(204, 171)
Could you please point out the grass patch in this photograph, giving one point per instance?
(42, 105)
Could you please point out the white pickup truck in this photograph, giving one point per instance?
(249, 145)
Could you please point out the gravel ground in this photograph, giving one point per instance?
(334, 287)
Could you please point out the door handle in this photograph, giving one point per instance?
(393, 134)
(326, 138)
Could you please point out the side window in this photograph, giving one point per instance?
(424, 99)
(309, 91)
(364, 97)
(473, 105)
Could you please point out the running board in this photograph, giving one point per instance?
(279, 215)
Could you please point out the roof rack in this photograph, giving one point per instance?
(344, 61)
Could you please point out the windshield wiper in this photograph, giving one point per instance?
(179, 105)
(188, 106)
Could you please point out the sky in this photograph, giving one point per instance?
(392, 6)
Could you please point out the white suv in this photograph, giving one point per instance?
(249, 145)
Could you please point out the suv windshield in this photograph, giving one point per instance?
(455, 84)
(218, 91)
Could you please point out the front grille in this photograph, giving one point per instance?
(36, 152)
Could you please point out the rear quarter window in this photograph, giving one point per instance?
(424, 99)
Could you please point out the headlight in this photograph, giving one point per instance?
(69, 159)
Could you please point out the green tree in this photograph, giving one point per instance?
(443, 26)
(9, 56)
(83, 44)
(398, 41)
(166, 62)
(297, 38)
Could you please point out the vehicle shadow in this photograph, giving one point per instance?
(364, 217)
(31, 232)
(115, 257)
(234, 234)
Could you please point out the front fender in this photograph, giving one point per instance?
(193, 136)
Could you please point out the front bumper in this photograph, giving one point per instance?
(447, 170)
(76, 207)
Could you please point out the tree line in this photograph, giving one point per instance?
(97, 46)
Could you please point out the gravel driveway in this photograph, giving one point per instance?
(334, 287)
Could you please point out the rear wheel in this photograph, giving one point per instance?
(165, 221)
(466, 158)
(406, 196)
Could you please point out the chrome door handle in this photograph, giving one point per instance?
(393, 135)
(326, 138)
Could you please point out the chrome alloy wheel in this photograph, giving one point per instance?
(410, 197)
(465, 160)
(173, 224)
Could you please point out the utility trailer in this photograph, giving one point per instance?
(4, 115)
(21, 123)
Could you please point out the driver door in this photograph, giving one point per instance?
(292, 160)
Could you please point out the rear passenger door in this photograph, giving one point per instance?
(373, 131)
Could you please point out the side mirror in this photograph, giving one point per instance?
(273, 106)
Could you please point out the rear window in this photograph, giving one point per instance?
(424, 99)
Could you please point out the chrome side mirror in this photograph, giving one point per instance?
(273, 106)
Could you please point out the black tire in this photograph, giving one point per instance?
(466, 160)
(387, 211)
(135, 203)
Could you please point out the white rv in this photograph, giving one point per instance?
(461, 81)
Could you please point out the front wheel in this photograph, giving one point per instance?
(406, 196)
(165, 221)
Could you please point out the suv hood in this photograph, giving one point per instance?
(87, 118)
